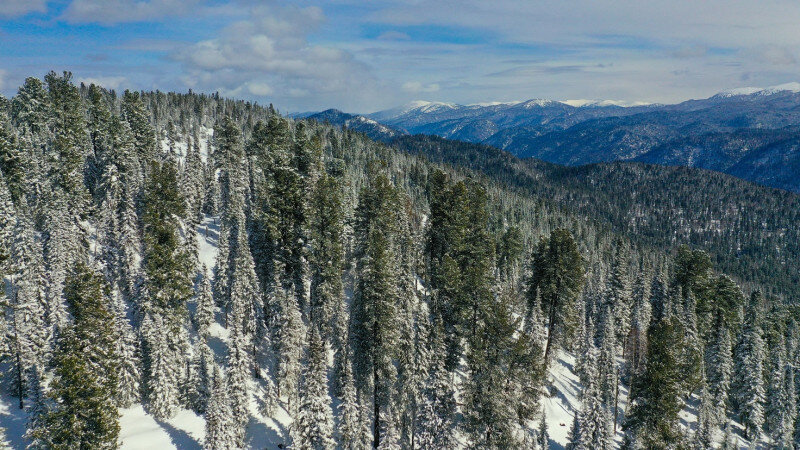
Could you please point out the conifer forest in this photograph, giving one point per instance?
(211, 272)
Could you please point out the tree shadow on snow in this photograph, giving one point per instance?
(551, 445)
(180, 438)
(262, 437)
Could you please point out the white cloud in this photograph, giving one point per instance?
(107, 82)
(121, 11)
(15, 8)
(268, 54)
(416, 87)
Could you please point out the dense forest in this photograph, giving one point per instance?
(376, 296)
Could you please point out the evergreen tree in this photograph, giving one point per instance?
(202, 377)
(219, 432)
(84, 386)
(719, 367)
(313, 428)
(656, 394)
(437, 417)
(168, 287)
(592, 429)
(557, 278)
(28, 333)
(204, 314)
(748, 385)
(327, 256)
(353, 433)
(12, 162)
(138, 119)
(373, 336)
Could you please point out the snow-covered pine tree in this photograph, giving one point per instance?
(163, 376)
(719, 367)
(288, 342)
(594, 422)
(168, 286)
(640, 320)
(28, 334)
(781, 394)
(84, 412)
(202, 376)
(606, 370)
(618, 293)
(656, 394)
(707, 421)
(313, 428)
(12, 162)
(748, 384)
(127, 351)
(36, 428)
(351, 435)
(219, 430)
(693, 350)
(437, 416)
(7, 222)
(204, 313)
(138, 119)
(557, 258)
(543, 435)
(326, 260)
(240, 338)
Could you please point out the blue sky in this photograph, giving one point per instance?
(362, 56)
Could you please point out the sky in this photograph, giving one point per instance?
(364, 56)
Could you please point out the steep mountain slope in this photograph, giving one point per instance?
(750, 231)
(362, 124)
(746, 132)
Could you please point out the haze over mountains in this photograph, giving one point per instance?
(751, 133)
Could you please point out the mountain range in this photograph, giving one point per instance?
(751, 133)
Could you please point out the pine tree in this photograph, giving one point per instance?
(352, 434)
(204, 313)
(618, 293)
(557, 279)
(289, 343)
(313, 428)
(719, 366)
(202, 376)
(138, 119)
(781, 406)
(593, 422)
(748, 384)
(219, 432)
(326, 259)
(168, 288)
(12, 163)
(372, 335)
(28, 335)
(437, 417)
(656, 394)
(543, 435)
(39, 408)
(127, 351)
(707, 420)
(85, 379)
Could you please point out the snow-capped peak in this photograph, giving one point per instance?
(587, 103)
(537, 102)
(750, 90)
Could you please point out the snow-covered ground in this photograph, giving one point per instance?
(140, 430)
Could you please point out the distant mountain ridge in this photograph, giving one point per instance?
(752, 133)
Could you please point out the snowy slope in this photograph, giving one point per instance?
(140, 430)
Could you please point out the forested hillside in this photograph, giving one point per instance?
(185, 259)
(749, 231)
